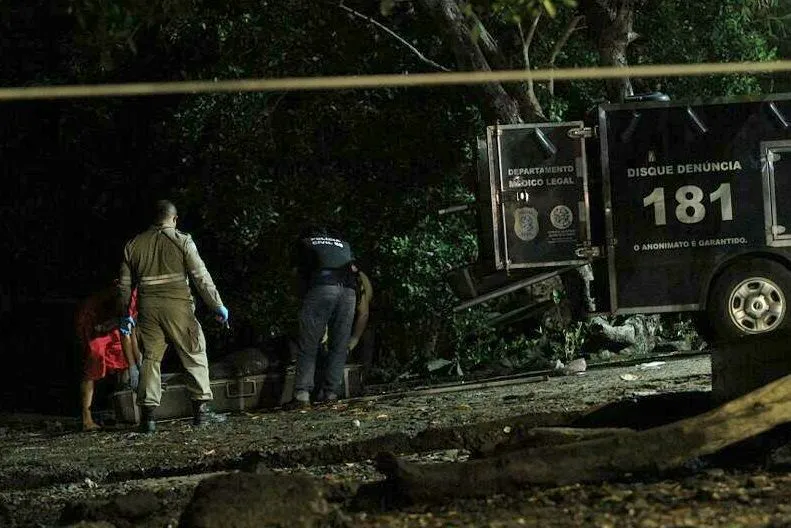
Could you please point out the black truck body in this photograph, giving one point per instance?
(678, 206)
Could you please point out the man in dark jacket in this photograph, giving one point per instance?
(159, 262)
(326, 276)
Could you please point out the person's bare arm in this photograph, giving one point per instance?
(360, 322)
(135, 347)
(362, 311)
(128, 348)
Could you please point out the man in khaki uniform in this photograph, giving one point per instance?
(158, 263)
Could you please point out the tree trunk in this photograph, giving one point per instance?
(500, 106)
(612, 24)
(519, 91)
(432, 336)
(613, 455)
(547, 436)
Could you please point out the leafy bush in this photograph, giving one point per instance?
(410, 269)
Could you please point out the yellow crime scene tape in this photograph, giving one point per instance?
(349, 82)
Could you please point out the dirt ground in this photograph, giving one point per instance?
(46, 464)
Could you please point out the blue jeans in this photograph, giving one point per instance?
(324, 307)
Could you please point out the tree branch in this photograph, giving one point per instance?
(500, 106)
(494, 55)
(488, 45)
(526, 41)
(394, 35)
(564, 38)
(599, 459)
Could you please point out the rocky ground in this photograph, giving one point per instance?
(50, 474)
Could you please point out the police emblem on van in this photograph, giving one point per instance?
(561, 217)
(526, 223)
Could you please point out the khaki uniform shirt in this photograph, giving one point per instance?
(159, 262)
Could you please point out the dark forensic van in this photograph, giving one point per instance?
(671, 206)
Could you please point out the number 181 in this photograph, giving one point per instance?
(690, 208)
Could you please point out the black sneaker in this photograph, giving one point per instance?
(203, 415)
(296, 405)
(327, 398)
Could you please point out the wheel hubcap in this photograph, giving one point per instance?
(757, 305)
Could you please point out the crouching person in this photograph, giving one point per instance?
(324, 264)
(361, 346)
(159, 262)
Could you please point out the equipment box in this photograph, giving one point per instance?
(234, 394)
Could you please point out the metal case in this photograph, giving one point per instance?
(230, 395)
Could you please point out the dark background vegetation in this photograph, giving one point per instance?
(247, 170)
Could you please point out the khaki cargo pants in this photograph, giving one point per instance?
(162, 322)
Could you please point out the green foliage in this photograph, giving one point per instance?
(564, 343)
(679, 327)
(514, 352)
(411, 265)
(694, 32)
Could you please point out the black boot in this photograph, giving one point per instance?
(147, 423)
(203, 415)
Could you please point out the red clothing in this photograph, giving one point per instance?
(103, 351)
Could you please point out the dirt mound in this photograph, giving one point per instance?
(122, 511)
(243, 500)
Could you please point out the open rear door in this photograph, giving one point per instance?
(776, 161)
(540, 194)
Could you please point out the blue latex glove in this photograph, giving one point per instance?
(134, 376)
(126, 324)
(222, 314)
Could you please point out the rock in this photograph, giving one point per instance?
(437, 364)
(606, 355)
(558, 366)
(256, 500)
(575, 366)
(780, 458)
(125, 510)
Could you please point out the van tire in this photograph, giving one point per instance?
(751, 297)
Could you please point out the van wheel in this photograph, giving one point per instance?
(751, 297)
